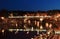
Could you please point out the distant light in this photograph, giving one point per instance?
(57, 32)
(41, 19)
(29, 21)
(31, 38)
(49, 32)
(3, 31)
(46, 24)
(16, 31)
(35, 22)
(26, 15)
(10, 30)
(16, 24)
(25, 26)
(25, 20)
(2, 18)
(41, 27)
(32, 28)
(58, 15)
(38, 23)
(50, 25)
(27, 32)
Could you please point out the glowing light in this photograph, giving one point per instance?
(57, 32)
(25, 20)
(58, 16)
(32, 28)
(29, 21)
(31, 38)
(13, 21)
(49, 32)
(47, 24)
(25, 26)
(38, 23)
(40, 36)
(26, 15)
(10, 30)
(16, 24)
(3, 31)
(50, 25)
(2, 18)
(16, 31)
(27, 32)
(41, 19)
(35, 22)
(41, 27)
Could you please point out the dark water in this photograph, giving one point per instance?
(19, 35)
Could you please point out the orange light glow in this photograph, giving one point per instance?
(2, 18)
(41, 19)
(38, 23)
(3, 31)
(47, 24)
(50, 25)
(41, 27)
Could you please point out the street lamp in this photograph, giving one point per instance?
(41, 19)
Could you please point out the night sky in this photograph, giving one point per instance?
(30, 5)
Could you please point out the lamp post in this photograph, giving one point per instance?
(40, 27)
(41, 19)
